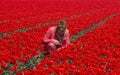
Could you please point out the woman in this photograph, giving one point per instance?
(57, 37)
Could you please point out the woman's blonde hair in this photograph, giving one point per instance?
(61, 24)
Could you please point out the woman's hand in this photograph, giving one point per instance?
(56, 42)
(61, 48)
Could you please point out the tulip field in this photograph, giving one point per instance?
(94, 27)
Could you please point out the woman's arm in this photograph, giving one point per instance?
(47, 36)
(67, 36)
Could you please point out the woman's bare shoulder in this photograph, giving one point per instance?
(67, 31)
(52, 28)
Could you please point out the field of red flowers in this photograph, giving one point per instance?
(94, 27)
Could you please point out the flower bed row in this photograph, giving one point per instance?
(22, 15)
(83, 22)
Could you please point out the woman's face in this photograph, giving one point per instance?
(61, 29)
